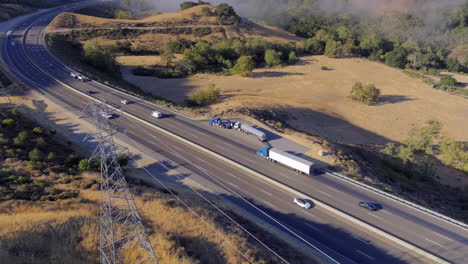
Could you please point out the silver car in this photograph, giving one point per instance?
(302, 203)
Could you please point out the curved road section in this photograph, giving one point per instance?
(340, 241)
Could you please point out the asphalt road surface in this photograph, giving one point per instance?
(317, 228)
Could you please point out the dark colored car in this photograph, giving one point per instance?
(90, 92)
(370, 206)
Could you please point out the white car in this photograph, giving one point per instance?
(302, 203)
(106, 115)
(125, 102)
(157, 114)
(74, 75)
(82, 78)
(12, 43)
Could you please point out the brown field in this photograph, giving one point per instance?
(317, 100)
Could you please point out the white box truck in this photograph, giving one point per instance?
(298, 164)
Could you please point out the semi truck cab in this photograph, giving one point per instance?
(263, 152)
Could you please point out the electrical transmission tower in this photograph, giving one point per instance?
(122, 234)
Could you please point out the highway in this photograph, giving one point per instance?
(341, 240)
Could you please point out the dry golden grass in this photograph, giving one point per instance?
(149, 60)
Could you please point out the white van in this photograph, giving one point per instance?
(157, 114)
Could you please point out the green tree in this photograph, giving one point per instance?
(72, 160)
(273, 57)
(84, 165)
(8, 122)
(123, 160)
(15, 111)
(38, 130)
(422, 139)
(454, 153)
(389, 149)
(244, 66)
(453, 65)
(51, 156)
(167, 56)
(292, 58)
(405, 153)
(122, 14)
(204, 97)
(21, 139)
(367, 94)
(36, 155)
(99, 56)
(333, 49)
(447, 80)
(397, 58)
(227, 15)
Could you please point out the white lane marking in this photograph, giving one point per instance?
(363, 241)
(364, 254)
(249, 160)
(437, 234)
(235, 176)
(193, 135)
(284, 175)
(313, 227)
(324, 193)
(386, 212)
(272, 206)
(378, 217)
(227, 144)
(310, 214)
(230, 183)
(267, 192)
(202, 169)
(333, 189)
(200, 159)
(440, 245)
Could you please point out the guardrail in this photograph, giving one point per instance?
(401, 200)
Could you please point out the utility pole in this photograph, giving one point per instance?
(122, 234)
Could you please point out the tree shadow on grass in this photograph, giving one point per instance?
(392, 99)
(272, 74)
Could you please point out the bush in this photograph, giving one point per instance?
(292, 58)
(204, 97)
(38, 130)
(455, 153)
(367, 94)
(21, 139)
(324, 68)
(273, 57)
(8, 122)
(51, 156)
(72, 160)
(123, 159)
(244, 66)
(121, 14)
(227, 15)
(84, 165)
(15, 111)
(447, 80)
(36, 155)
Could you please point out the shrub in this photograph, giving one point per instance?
(51, 156)
(36, 155)
(227, 15)
(292, 58)
(40, 142)
(273, 57)
(324, 68)
(367, 94)
(123, 159)
(455, 153)
(121, 14)
(8, 122)
(204, 97)
(447, 80)
(423, 138)
(38, 130)
(244, 66)
(15, 111)
(21, 139)
(72, 160)
(84, 165)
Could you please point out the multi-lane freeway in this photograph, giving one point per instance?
(31, 63)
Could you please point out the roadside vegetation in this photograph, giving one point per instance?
(367, 94)
(49, 208)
